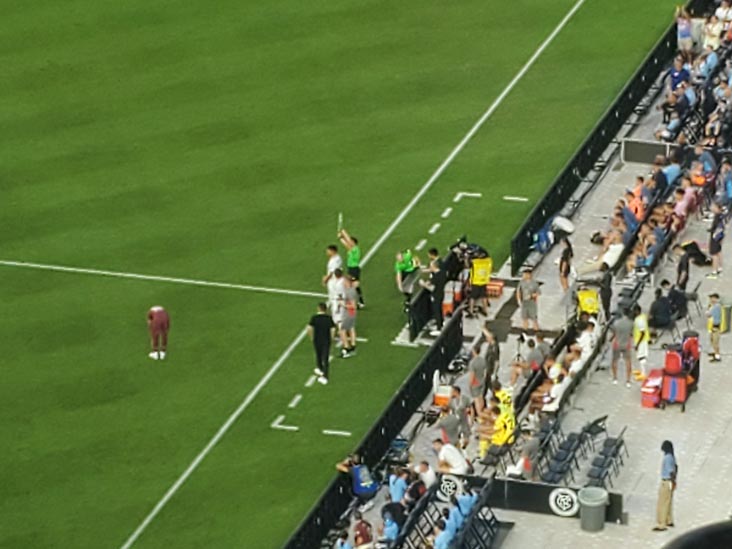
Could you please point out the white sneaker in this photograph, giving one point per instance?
(615, 381)
(323, 380)
(162, 355)
(318, 372)
(153, 355)
(627, 384)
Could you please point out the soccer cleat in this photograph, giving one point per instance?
(162, 355)
(153, 355)
(318, 372)
(323, 380)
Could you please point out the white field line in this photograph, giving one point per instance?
(362, 340)
(336, 433)
(277, 424)
(446, 213)
(471, 133)
(295, 401)
(420, 244)
(434, 228)
(213, 442)
(515, 198)
(376, 246)
(156, 278)
(460, 196)
(311, 381)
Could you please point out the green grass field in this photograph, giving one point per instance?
(218, 141)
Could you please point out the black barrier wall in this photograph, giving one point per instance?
(336, 498)
(605, 131)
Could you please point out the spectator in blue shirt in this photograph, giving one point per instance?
(397, 485)
(443, 537)
(672, 172)
(715, 320)
(678, 73)
(708, 162)
(342, 542)
(669, 469)
(390, 530)
(466, 502)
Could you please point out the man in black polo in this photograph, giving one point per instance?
(321, 330)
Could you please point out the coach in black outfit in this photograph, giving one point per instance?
(321, 330)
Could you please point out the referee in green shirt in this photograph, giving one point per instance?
(405, 267)
(353, 262)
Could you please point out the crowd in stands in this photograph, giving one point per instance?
(647, 222)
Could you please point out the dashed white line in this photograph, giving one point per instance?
(420, 244)
(295, 401)
(156, 278)
(336, 433)
(311, 380)
(515, 198)
(362, 340)
(446, 213)
(434, 228)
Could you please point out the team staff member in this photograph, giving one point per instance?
(406, 264)
(682, 267)
(480, 276)
(158, 323)
(527, 297)
(353, 262)
(321, 330)
(436, 286)
(641, 338)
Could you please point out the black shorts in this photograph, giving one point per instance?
(477, 292)
(354, 272)
(715, 246)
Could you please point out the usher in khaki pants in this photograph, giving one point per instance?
(664, 512)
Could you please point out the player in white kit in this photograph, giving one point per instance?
(334, 262)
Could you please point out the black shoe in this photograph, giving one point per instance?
(659, 529)
(670, 525)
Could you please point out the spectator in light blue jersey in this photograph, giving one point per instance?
(397, 485)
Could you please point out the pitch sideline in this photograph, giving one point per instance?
(156, 278)
(372, 251)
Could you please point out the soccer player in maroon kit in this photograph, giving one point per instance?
(158, 322)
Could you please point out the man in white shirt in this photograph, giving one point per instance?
(587, 340)
(724, 13)
(336, 295)
(334, 262)
(449, 459)
(426, 473)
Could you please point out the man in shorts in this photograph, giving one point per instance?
(336, 295)
(622, 345)
(353, 263)
(641, 339)
(527, 296)
(158, 324)
(349, 306)
(478, 370)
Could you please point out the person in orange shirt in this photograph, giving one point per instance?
(635, 205)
